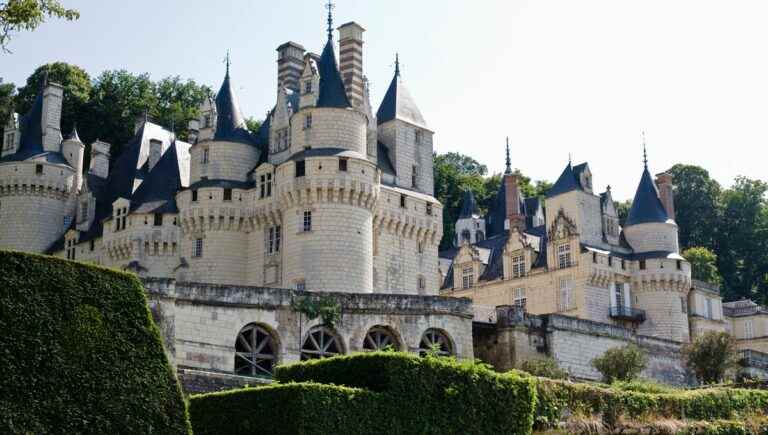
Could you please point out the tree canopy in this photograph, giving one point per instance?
(27, 15)
(7, 92)
(703, 264)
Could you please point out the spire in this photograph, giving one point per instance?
(227, 61)
(508, 170)
(398, 103)
(397, 64)
(73, 135)
(230, 123)
(645, 152)
(332, 92)
(330, 6)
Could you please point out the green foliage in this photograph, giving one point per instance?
(79, 352)
(621, 363)
(622, 209)
(546, 368)
(253, 124)
(178, 103)
(383, 392)
(556, 399)
(324, 307)
(703, 264)
(696, 205)
(643, 386)
(710, 356)
(7, 92)
(19, 15)
(77, 91)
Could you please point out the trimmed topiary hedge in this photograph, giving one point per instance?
(383, 392)
(558, 397)
(80, 353)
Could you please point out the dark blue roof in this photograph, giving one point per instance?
(31, 140)
(73, 135)
(398, 104)
(568, 181)
(225, 184)
(383, 160)
(468, 205)
(646, 207)
(157, 193)
(332, 92)
(230, 124)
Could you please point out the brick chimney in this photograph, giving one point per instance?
(515, 217)
(664, 184)
(351, 61)
(53, 95)
(290, 63)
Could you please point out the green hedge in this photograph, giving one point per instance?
(555, 397)
(383, 392)
(79, 352)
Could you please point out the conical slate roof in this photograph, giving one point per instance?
(646, 207)
(468, 205)
(398, 104)
(332, 92)
(73, 135)
(230, 124)
(567, 182)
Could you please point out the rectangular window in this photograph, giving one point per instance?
(308, 87)
(420, 246)
(520, 300)
(194, 196)
(92, 245)
(301, 285)
(618, 291)
(414, 176)
(402, 201)
(679, 265)
(273, 239)
(566, 294)
(158, 219)
(610, 261)
(564, 256)
(429, 209)
(307, 221)
(623, 265)
(417, 137)
(197, 248)
(39, 169)
(467, 278)
(227, 194)
(421, 283)
(308, 121)
(343, 165)
(708, 303)
(749, 329)
(207, 121)
(518, 266)
(301, 168)
(642, 264)
(204, 157)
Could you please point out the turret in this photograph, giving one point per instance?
(402, 128)
(74, 150)
(648, 227)
(470, 227)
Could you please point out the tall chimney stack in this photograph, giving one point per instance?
(53, 94)
(290, 63)
(515, 217)
(351, 61)
(664, 184)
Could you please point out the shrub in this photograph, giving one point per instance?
(546, 368)
(80, 353)
(643, 386)
(710, 356)
(620, 363)
(297, 408)
(383, 392)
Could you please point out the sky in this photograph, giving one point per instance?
(558, 77)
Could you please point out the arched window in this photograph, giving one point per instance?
(435, 341)
(321, 342)
(380, 338)
(255, 352)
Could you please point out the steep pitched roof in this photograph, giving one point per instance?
(331, 92)
(468, 205)
(230, 123)
(31, 140)
(383, 160)
(398, 104)
(157, 193)
(646, 206)
(73, 135)
(568, 181)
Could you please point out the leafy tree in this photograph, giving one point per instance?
(710, 356)
(546, 368)
(178, 102)
(621, 363)
(463, 164)
(77, 91)
(622, 208)
(253, 124)
(7, 92)
(696, 196)
(453, 174)
(19, 15)
(703, 264)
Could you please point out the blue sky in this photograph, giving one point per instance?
(556, 76)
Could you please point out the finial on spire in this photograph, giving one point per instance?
(570, 159)
(645, 152)
(397, 64)
(330, 7)
(508, 170)
(227, 61)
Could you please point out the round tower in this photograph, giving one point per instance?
(74, 150)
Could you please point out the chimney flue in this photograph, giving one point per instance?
(515, 217)
(664, 184)
(351, 61)
(290, 63)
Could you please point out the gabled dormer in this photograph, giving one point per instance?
(279, 126)
(609, 218)
(11, 135)
(563, 242)
(518, 255)
(309, 82)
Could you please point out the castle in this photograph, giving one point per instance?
(241, 237)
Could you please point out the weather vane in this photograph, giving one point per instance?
(330, 6)
(227, 61)
(509, 162)
(645, 152)
(397, 64)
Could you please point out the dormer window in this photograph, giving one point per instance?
(308, 121)
(308, 87)
(518, 266)
(564, 256)
(467, 277)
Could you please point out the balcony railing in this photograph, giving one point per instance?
(753, 358)
(627, 313)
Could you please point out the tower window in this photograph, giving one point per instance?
(308, 121)
(467, 277)
(429, 209)
(273, 239)
(92, 245)
(39, 169)
(414, 176)
(158, 219)
(594, 257)
(194, 196)
(564, 256)
(308, 87)
(227, 194)
(205, 156)
(421, 283)
(307, 221)
(420, 247)
(642, 264)
(417, 137)
(197, 248)
(402, 201)
(679, 265)
(343, 164)
(207, 121)
(265, 186)
(623, 265)
(301, 168)
(610, 261)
